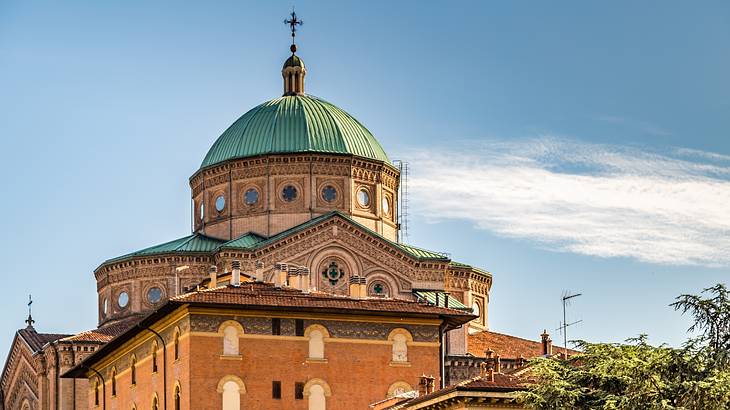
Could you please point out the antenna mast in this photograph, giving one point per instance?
(566, 300)
(402, 200)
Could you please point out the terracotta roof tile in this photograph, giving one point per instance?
(257, 294)
(37, 340)
(508, 346)
(104, 333)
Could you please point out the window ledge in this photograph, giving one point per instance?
(313, 360)
(399, 364)
(231, 357)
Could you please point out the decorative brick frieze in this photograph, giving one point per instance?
(336, 329)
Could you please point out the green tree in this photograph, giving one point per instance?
(637, 375)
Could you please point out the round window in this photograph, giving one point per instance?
(220, 203)
(386, 206)
(105, 307)
(476, 309)
(154, 295)
(202, 211)
(363, 198)
(289, 193)
(123, 300)
(251, 196)
(329, 193)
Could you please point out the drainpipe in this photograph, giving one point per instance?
(442, 370)
(103, 386)
(164, 365)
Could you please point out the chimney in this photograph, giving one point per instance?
(236, 273)
(446, 299)
(547, 344)
(292, 277)
(354, 286)
(363, 287)
(490, 364)
(437, 298)
(213, 272)
(280, 274)
(259, 271)
(304, 278)
(423, 385)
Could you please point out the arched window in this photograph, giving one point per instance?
(231, 331)
(96, 392)
(25, 405)
(231, 388)
(317, 391)
(316, 335)
(114, 381)
(400, 349)
(316, 398)
(133, 370)
(176, 397)
(154, 357)
(155, 403)
(176, 345)
(316, 344)
(400, 339)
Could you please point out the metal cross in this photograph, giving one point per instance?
(293, 22)
(30, 320)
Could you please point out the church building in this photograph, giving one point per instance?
(293, 289)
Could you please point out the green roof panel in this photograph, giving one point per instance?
(429, 296)
(295, 124)
(195, 243)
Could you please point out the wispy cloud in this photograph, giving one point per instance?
(665, 207)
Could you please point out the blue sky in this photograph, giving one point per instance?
(577, 146)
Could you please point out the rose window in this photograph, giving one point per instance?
(332, 273)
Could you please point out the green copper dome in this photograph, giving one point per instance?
(293, 124)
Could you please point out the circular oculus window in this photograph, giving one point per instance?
(329, 193)
(251, 196)
(220, 203)
(386, 206)
(123, 300)
(154, 295)
(289, 193)
(363, 198)
(202, 211)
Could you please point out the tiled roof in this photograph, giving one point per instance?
(105, 333)
(502, 383)
(257, 294)
(507, 346)
(37, 340)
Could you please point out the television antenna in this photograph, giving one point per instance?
(566, 298)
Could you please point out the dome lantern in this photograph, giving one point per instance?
(293, 71)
